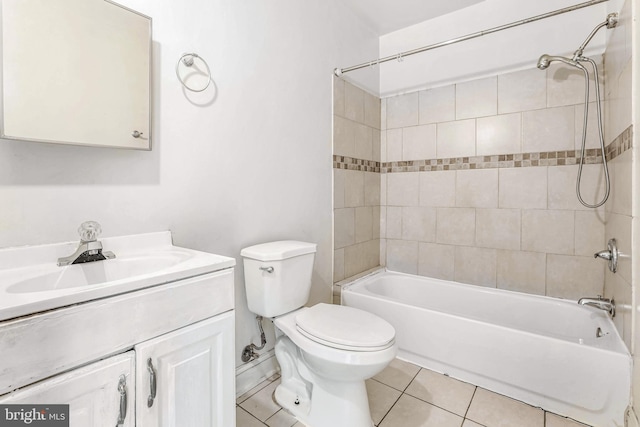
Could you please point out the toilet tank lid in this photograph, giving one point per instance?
(277, 251)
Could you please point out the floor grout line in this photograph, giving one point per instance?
(403, 392)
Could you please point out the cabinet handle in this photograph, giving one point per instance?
(152, 381)
(122, 388)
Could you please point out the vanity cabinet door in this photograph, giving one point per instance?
(94, 393)
(186, 378)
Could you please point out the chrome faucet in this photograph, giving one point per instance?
(611, 254)
(606, 304)
(90, 249)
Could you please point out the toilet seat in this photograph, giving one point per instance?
(345, 328)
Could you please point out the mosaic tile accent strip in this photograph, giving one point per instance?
(343, 162)
(622, 143)
(550, 158)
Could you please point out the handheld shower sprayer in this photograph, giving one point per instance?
(544, 62)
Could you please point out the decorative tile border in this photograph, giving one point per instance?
(622, 143)
(549, 158)
(351, 163)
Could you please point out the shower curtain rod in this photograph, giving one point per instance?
(339, 71)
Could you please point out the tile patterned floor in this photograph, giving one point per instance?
(405, 395)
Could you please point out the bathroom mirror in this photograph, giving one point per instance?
(76, 72)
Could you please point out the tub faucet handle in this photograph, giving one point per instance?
(610, 254)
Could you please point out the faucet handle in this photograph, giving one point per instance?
(89, 231)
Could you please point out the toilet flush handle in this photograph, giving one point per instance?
(267, 269)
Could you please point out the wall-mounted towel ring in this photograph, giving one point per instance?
(188, 59)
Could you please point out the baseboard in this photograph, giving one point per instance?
(253, 373)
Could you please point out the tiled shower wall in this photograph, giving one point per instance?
(477, 183)
(480, 184)
(618, 66)
(357, 189)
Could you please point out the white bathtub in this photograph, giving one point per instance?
(540, 350)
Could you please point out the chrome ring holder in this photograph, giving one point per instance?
(188, 60)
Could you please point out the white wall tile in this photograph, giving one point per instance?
(456, 226)
(371, 110)
(589, 232)
(377, 218)
(477, 188)
(383, 114)
(477, 98)
(361, 257)
(625, 99)
(371, 189)
(364, 224)
(383, 189)
(403, 189)
(438, 189)
(344, 136)
(562, 186)
(338, 265)
(573, 277)
(551, 129)
(476, 266)
(456, 139)
(354, 103)
(436, 261)
(498, 228)
(345, 227)
(377, 145)
(338, 188)
(622, 293)
(548, 231)
(522, 91)
(593, 134)
(620, 227)
(499, 134)
(383, 252)
(402, 256)
(419, 223)
(363, 142)
(394, 223)
(622, 183)
(402, 110)
(382, 230)
(354, 188)
(565, 84)
(419, 142)
(523, 188)
(394, 145)
(438, 105)
(338, 96)
(522, 271)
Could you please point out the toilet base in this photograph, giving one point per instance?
(314, 400)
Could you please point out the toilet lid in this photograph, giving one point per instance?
(345, 327)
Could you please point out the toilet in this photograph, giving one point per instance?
(325, 352)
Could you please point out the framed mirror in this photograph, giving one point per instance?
(76, 72)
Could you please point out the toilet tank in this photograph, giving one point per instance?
(277, 276)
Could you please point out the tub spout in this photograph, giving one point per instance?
(606, 304)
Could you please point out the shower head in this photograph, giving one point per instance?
(546, 60)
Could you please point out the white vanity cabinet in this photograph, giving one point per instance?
(183, 378)
(79, 354)
(96, 393)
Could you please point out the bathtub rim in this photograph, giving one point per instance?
(617, 343)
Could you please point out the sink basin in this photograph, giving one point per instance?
(31, 281)
(95, 273)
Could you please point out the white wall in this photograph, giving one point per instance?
(508, 50)
(252, 164)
